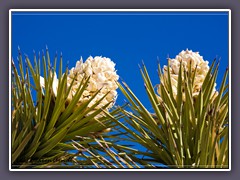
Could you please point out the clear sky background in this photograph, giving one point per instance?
(126, 38)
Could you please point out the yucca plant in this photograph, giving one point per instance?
(47, 125)
(60, 123)
(189, 125)
(112, 155)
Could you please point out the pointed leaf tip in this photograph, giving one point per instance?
(26, 64)
(26, 56)
(139, 66)
(168, 56)
(121, 78)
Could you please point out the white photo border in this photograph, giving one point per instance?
(114, 11)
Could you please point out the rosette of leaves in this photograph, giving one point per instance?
(181, 133)
(46, 126)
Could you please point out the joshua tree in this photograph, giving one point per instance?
(70, 120)
(189, 126)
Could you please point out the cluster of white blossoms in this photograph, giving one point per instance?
(190, 60)
(103, 77)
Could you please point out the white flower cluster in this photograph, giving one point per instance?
(190, 60)
(103, 77)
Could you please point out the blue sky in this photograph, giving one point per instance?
(126, 38)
